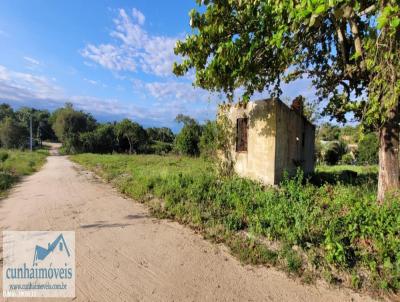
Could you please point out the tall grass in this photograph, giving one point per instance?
(333, 230)
(15, 163)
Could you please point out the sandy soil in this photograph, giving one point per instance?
(122, 254)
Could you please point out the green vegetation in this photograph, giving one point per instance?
(14, 164)
(187, 141)
(14, 126)
(348, 48)
(309, 229)
(368, 149)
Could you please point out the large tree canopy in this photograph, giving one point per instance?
(349, 48)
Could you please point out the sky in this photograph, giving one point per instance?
(110, 58)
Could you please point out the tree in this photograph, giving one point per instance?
(40, 122)
(100, 140)
(133, 133)
(13, 134)
(6, 111)
(187, 141)
(68, 124)
(350, 134)
(328, 132)
(368, 149)
(333, 152)
(208, 139)
(162, 134)
(349, 48)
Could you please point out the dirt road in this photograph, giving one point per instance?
(122, 254)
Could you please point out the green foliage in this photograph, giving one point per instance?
(13, 134)
(14, 164)
(69, 123)
(338, 44)
(349, 49)
(163, 134)
(328, 132)
(208, 140)
(340, 224)
(333, 152)
(368, 149)
(347, 159)
(3, 156)
(188, 139)
(6, 111)
(100, 140)
(133, 133)
(160, 148)
(350, 134)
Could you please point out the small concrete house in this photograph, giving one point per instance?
(270, 138)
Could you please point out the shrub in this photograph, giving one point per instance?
(101, 140)
(340, 225)
(160, 148)
(133, 133)
(3, 156)
(13, 134)
(187, 141)
(347, 159)
(208, 139)
(368, 149)
(69, 123)
(334, 151)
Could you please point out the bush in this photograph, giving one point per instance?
(69, 123)
(347, 159)
(101, 140)
(160, 148)
(333, 152)
(187, 141)
(342, 224)
(208, 139)
(3, 156)
(368, 149)
(13, 134)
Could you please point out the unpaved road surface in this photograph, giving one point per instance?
(122, 254)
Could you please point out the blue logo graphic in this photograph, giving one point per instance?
(41, 253)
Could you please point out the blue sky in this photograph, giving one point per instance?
(110, 58)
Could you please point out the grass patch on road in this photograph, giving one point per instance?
(333, 230)
(15, 163)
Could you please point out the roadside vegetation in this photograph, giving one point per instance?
(338, 232)
(15, 164)
(326, 225)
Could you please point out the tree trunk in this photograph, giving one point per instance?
(130, 146)
(388, 179)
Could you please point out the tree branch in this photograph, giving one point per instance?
(367, 10)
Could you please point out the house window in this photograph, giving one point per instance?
(241, 134)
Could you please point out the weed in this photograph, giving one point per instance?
(338, 225)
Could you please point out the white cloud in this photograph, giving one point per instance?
(135, 47)
(95, 83)
(177, 91)
(31, 60)
(17, 85)
(138, 16)
(109, 56)
(26, 89)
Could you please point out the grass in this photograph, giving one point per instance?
(330, 226)
(15, 163)
(347, 174)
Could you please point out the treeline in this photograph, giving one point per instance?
(14, 126)
(346, 145)
(79, 132)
